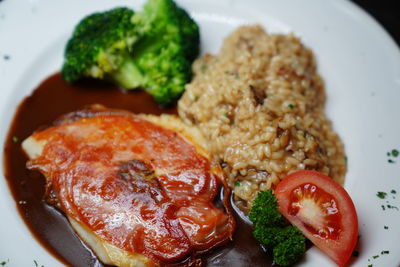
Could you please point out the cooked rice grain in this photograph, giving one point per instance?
(260, 104)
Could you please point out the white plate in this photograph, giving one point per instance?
(358, 60)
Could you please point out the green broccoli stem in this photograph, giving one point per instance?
(128, 75)
(149, 44)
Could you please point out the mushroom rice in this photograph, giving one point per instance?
(260, 105)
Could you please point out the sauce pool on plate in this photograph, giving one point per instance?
(53, 98)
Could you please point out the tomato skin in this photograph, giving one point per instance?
(340, 246)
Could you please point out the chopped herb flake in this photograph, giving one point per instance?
(375, 256)
(291, 106)
(6, 57)
(390, 161)
(386, 227)
(15, 139)
(238, 183)
(388, 154)
(381, 195)
(355, 253)
(2, 263)
(36, 264)
(370, 265)
(395, 152)
(383, 207)
(384, 252)
(392, 207)
(393, 191)
(235, 75)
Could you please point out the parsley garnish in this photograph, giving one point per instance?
(238, 183)
(394, 153)
(204, 67)
(381, 195)
(384, 252)
(291, 106)
(375, 256)
(36, 264)
(392, 207)
(386, 227)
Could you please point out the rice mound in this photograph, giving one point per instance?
(260, 105)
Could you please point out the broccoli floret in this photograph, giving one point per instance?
(291, 247)
(152, 49)
(269, 237)
(264, 210)
(287, 243)
(170, 42)
(99, 48)
(163, 21)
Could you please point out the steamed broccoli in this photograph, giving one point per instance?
(286, 242)
(291, 247)
(169, 44)
(152, 49)
(264, 210)
(100, 48)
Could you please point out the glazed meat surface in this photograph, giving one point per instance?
(143, 186)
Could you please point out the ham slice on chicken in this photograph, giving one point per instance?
(137, 189)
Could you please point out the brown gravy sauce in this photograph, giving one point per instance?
(53, 98)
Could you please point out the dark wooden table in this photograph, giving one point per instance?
(386, 13)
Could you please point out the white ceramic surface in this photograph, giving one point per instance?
(358, 60)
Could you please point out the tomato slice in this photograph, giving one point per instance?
(322, 210)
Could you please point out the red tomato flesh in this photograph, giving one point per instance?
(322, 210)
